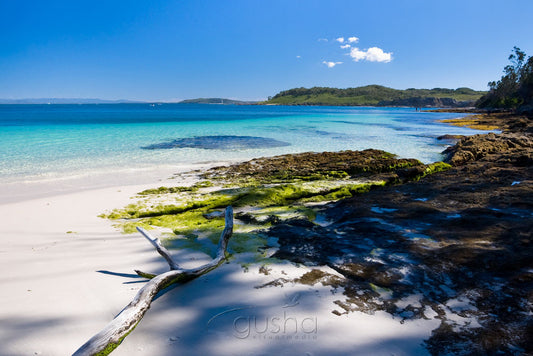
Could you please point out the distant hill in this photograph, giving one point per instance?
(221, 101)
(65, 101)
(377, 95)
(103, 101)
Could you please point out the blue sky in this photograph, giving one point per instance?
(171, 50)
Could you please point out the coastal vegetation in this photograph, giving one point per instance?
(514, 90)
(377, 95)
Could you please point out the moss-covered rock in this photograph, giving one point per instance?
(312, 166)
(264, 192)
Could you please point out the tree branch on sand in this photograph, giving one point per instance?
(112, 335)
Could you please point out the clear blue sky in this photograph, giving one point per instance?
(250, 49)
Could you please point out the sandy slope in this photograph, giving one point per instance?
(53, 297)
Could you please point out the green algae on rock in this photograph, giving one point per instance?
(264, 192)
(312, 166)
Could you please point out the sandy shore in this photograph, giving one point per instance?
(66, 273)
(51, 249)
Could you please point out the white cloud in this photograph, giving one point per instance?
(331, 64)
(340, 39)
(298, 57)
(353, 39)
(322, 40)
(373, 54)
(357, 54)
(345, 46)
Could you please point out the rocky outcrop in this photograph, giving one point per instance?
(313, 165)
(512, 146)
(456, 246)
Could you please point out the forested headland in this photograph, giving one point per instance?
(513, 92)
(377, 95)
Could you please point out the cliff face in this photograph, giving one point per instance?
(427, 102)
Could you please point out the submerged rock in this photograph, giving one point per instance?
(219, 143)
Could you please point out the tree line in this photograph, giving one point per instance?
(376, 91)
(515, 88)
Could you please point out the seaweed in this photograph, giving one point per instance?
(190, 214)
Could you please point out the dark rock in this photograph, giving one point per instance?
(311, 165)
(299, 222)
(450, 137)
(476, 147)
(248, 218)
(410, 173)
(465, 232)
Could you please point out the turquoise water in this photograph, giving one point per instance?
(43, 142)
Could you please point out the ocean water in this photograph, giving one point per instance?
(58, 142)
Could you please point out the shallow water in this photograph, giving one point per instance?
(49, 142)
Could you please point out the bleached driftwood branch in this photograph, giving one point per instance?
(160, 248)
(112, 335)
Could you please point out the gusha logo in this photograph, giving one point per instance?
(275, 327)
(285, 326)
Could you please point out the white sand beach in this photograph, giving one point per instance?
(66, 273)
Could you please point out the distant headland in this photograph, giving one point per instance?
(370, 95)
(377, 95)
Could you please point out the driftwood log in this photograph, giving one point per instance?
(112, 335)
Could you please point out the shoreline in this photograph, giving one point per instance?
(54, 246)
(20, 191)
(69, 272)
